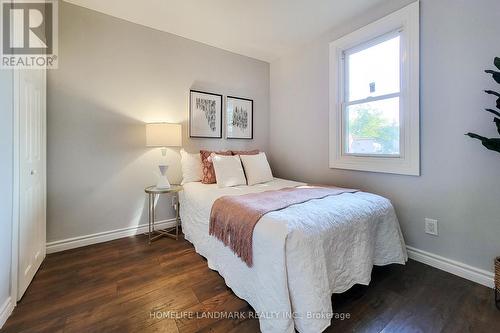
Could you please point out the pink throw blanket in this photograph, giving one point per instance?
(233, 218)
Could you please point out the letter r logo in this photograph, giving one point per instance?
(27, 27)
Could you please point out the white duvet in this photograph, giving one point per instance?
(301, 254)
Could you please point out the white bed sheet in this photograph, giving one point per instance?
(302, 254)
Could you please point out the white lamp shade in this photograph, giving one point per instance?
(163, 135)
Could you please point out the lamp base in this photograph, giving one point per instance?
(162, 180)
(163, 183)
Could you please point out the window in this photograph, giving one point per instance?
(372, 94)
(374, 91)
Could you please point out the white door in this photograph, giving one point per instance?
(30, 98)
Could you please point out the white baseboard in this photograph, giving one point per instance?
(6, 310)
(72, 243)
(465, 271)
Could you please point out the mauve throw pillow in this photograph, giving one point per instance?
(245, 152)
(208, 170)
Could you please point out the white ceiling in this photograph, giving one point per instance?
(262, 29)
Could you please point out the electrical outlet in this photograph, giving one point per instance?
(431, 227)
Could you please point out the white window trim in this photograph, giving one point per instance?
(408, 162)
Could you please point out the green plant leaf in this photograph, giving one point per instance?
(476, 136)
(496, 75)
(497, 62)
(491, 144)
(491, 92)
(496, 113)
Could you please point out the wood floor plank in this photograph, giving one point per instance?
(247, 326)
(209, 288)
(126, 285)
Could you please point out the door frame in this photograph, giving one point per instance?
(16, 192)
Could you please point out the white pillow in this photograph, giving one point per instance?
(228, 170)
(257, 168)
(191, 167)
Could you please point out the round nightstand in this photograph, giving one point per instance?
(153, 192)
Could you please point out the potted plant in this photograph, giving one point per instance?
(497, 282)
(493, 144)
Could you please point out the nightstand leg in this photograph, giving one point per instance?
(177, 220)
(153, 212)
(149, 217)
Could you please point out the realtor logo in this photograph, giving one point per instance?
(29, 34)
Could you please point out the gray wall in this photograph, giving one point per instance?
(460, 182)
(113, 77)
(6, 177)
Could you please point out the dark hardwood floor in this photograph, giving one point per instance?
(120, 285)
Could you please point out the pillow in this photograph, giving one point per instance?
(228, 170)
(191, 167)
(245, 152)
(208, 173)
(256, 168)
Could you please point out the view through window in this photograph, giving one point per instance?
(372, 98)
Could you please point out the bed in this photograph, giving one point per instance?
(301, 254)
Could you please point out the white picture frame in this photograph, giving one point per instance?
(239, 118)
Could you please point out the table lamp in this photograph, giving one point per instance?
(163, 135)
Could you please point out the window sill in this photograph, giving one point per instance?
(395, 165)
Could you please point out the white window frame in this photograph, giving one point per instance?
(406, 22)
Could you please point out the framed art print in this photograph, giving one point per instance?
(239, 118)
(205, 115)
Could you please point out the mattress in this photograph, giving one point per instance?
(301, 254)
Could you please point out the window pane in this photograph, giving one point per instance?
(373, 128)
(374, 71)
